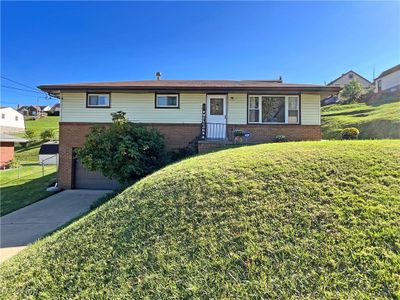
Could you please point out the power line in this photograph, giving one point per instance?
(25, 90)
(44, 95)
(35, 89)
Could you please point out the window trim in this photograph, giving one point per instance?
(286, 108)
(98, 94)
(178, 102)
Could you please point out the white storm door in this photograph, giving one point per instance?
(216, 117)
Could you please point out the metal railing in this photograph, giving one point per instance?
(216, 131)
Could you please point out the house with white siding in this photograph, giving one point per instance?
(11, 121)
(185, 112)
(388, 81)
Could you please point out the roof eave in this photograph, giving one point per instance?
(56, 90)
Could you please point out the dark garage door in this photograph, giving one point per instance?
(85, 179)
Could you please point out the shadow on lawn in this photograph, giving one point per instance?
(17, 196)
(349, 113)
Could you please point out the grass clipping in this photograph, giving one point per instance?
(290, 220)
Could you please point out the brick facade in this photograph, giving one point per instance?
(6, 153)
(72, 135)
(261, 133)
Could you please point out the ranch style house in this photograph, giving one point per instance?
(205, 112)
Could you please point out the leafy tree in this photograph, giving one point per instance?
(47, 135)
(123, 151)
(29, 134)
(352, 92)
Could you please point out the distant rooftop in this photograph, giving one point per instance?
(11, 138)
(389, 71)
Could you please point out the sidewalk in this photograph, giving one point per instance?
(26, 225)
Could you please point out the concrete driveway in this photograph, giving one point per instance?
(26, 225)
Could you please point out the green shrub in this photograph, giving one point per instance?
(47, 135)
(238, 132)
(350, 133)
(351, 92)
(123, 151)
(280, 138)
(29, 134)
(13, 164)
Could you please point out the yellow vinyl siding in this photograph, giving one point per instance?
(139, 107)
(310, 109)
(237, 108)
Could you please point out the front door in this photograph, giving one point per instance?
(216, 117)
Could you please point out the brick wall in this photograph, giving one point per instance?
(6, 153)
(73, 135)
(266, 133)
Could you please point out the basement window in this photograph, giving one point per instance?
(167, 101)
(98, 100)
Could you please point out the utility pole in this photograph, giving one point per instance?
(373, 73)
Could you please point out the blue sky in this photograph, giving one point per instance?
(305, 42)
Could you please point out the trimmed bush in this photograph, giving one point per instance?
(350, 133)
(124, 151)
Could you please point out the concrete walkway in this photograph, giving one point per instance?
(26, 225)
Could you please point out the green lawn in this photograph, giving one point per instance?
(310, 220)
(26, 185)
(374, 121)
(42, 124)
(29, 186)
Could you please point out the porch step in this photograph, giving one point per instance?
(208, 145)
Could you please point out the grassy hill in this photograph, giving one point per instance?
(376, 121)
(291, 220)
(42, 124)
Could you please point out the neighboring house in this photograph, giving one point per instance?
(341, 81)
(345, 78)
(11, 121)
(7, 148)
(45, 108)
(55, 109)
(388, 80)
(186, 111)
(48, 153)
(33, 110)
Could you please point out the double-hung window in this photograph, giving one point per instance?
(98, 100)
(293, 110)
(273, 109)
(254, 109)
(167, 101)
